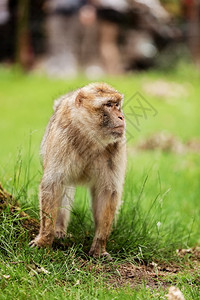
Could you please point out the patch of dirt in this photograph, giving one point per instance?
(193, 252)
(191, 257)
(193, 145)
(154, 275)
(165, 90)
(133, 275)
(8, 201)
(167, 142)
(5, 197)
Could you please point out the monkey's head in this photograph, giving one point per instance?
(99, 107)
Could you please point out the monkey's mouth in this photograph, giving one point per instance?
(118, 129)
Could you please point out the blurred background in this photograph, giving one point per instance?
(63, 38)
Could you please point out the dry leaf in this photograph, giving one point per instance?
(174, 294)
(6, 276)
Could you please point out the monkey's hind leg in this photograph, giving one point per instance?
(50, 196)
(63, 215)
(104, 207)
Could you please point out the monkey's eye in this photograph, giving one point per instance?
(108, 104)
(117, 105)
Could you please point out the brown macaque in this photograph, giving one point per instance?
(84, 144)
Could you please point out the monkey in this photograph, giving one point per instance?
(84, 144)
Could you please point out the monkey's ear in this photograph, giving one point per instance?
(79, 99)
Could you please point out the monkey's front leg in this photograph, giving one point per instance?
(104, 207)
(50, 196)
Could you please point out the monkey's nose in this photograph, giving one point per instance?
(121, 117)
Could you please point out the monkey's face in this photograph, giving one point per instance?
(100, 112)
(113, 119)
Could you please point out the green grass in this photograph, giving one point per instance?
(160, 210)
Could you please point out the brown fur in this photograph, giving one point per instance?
(84, 143)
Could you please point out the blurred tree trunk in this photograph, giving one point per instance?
(24, 53)
(194, 31)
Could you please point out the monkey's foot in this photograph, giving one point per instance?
(41, 241)
(60, 233)
(97, 254)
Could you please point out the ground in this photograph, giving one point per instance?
(154, 243)
(116, 274)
